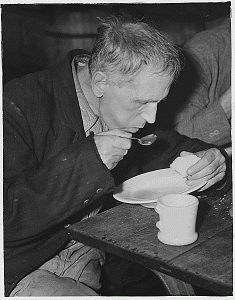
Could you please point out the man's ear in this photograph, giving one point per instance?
(99, 83)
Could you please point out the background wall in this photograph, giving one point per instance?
(37, 36)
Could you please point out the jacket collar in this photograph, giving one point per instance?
(65, 93)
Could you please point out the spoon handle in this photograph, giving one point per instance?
(134, 138)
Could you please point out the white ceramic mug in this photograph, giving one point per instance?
(177, 213)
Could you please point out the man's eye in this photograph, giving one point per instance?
(138, 104)
(143, 103)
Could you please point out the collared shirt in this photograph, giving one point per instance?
(91, 122)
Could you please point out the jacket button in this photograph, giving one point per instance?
(216, 132)
(86, 201)
(99, 190)
(211, 134)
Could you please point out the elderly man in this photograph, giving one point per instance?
(67, 130)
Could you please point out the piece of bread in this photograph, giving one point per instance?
(181, 164)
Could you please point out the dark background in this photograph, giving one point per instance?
(35, 36)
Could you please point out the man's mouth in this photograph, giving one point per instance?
(134, 129)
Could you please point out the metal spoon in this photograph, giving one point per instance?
(146, 140)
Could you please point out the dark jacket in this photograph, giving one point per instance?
(52, 172)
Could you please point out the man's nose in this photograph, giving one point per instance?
(150, 114)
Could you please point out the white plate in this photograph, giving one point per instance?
(146, 188)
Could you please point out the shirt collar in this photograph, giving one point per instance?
(91, 122)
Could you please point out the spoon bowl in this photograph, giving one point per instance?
(146, 140)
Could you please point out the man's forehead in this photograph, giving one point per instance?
(151, 78)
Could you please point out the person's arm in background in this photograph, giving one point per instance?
(207, 123)
(225, 101)
(206, 111)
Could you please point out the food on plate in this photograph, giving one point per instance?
(181, 164)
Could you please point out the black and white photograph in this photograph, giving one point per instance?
(117, 149)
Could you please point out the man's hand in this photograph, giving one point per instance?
(112, 145)
(211, 168)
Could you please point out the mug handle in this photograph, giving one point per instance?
(159, 225)
(156, 208)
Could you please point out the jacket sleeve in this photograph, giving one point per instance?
(198, 120)
(40, 195)
(202, 116)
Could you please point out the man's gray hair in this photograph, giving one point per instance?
(124, 47)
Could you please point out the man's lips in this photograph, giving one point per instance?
(134, 129)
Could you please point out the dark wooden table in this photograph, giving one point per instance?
(130, 231)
